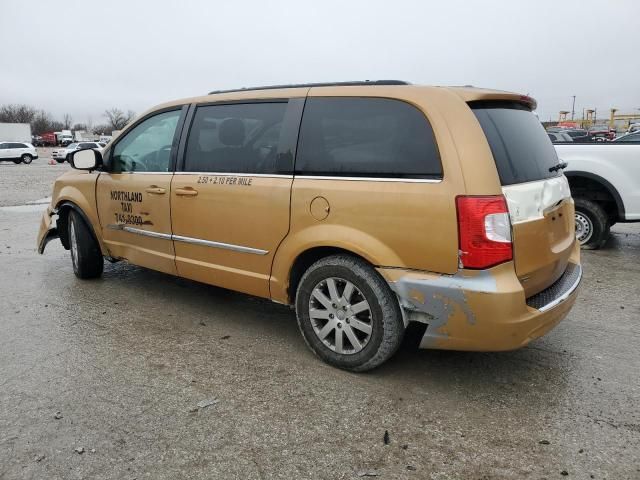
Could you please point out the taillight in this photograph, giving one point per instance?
(484, 231)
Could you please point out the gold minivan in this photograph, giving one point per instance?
(366, 205)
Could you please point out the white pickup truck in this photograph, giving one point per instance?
(605, 184)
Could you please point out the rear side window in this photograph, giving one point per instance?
(366, 137)
(235, 138)
(521, 149)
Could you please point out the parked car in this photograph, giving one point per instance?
(559, 137)
(629, 137)
(61, 155)
(18, 152)
(579, 135)
(601, 133)
(604, 184)
(365, 205)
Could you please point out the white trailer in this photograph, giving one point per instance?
(15, 132)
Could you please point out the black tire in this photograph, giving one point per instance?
(86, 256)
(383, 316)
(60, 160)
(591, 216)
(26, 159)
(17, 161)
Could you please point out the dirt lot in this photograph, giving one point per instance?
(117, 367)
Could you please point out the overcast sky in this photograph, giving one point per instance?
(81, 57)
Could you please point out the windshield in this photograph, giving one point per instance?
(72, 145)
(520, 146)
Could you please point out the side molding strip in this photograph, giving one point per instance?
(193, 241)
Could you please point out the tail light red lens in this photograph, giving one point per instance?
(484, 231)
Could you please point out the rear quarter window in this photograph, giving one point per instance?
(519, 144)
(366, 137)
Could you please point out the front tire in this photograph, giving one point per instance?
(26, 159)
(592, 224)
(86, 256)
(347, 313)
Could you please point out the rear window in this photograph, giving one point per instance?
(366, 137)
(520, 146)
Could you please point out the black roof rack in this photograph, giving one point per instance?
(308, 85)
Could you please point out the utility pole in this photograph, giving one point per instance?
(573, 107)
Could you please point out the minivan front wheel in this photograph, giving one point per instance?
(347, 313)
(86, 256)
(592, 224)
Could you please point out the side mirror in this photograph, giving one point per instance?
(87, 159)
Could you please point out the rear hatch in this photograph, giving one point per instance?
(537, 192)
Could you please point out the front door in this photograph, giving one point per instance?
(134, 195)
(230, 204)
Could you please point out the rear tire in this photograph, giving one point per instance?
(26, 159)
(17, 161)
(86, 256)
(344, 296)
(592, 224)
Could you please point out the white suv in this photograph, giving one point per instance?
(61, 155)
(18, 152)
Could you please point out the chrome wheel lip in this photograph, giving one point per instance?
(584, 228)
(340, 316)
(74, 244)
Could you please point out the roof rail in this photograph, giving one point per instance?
(308, 85)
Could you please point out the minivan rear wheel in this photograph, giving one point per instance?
(592, 224)
(347, 313)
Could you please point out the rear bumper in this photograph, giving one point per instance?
(482, 310)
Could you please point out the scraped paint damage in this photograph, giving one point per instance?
(434, 300)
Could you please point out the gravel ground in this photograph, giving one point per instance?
(22, 183)
(117, 367)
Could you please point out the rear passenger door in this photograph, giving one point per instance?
(230, 202)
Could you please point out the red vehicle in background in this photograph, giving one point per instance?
(48, 139)
(601, 133)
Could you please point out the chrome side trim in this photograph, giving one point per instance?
(139, 231)
(226, 246)
(565, 295)
(371, 179)
(193, 241)
(138, 173)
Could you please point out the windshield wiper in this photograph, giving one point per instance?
(560, 166)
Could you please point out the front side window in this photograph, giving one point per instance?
(235, 138)
(366, 137)
(147, 147)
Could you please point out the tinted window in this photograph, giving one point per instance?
(17, 145)
(368, 137)
(235, 138)
(87, 145)
(629, 138)
(147, 147)
(552, 137)
(521, 150)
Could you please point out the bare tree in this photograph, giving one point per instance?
(17, 113)
(117, 118)
(66, 121)
(79, 126)
(102, 130)
(43, 122)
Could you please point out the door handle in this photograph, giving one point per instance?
(154, 189)
(186, 192)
